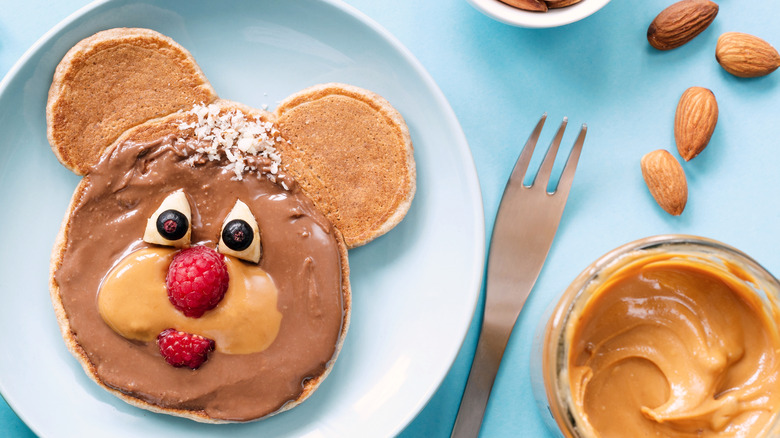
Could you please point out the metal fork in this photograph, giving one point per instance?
(527, 219)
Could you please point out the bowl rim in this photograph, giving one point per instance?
(537, 20)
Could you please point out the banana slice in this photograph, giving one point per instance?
(169, 225)
(240, 234)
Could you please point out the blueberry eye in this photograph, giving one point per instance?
(240, 234)
(172, 224)
(237, 235)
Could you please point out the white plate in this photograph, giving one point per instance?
(414, 290)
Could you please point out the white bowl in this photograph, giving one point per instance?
(552, 18)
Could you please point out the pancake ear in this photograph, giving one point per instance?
(351, 153)
(112, 81)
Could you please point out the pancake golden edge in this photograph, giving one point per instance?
(309, 386)
(361, 175)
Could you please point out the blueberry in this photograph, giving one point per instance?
(237, 235)
(172, 224)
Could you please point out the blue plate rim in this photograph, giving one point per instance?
(36, 49)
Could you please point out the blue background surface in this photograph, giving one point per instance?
(601, 71)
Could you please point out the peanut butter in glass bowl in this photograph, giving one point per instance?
(668, 336)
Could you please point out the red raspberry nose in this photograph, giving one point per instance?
(197, 280)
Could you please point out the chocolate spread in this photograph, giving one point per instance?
(675, 348)
(300, 255)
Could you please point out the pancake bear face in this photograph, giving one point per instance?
(201, 269)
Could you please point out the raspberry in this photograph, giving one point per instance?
(182, 349)
(197, 280)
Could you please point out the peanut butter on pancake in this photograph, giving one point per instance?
(112, 81)
(361, 174)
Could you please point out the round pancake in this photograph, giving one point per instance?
(86, 345)
(112, 81)
(362, 173)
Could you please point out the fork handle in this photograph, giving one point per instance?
(490, 349)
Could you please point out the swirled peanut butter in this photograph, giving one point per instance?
(675, 347)
(298, 282)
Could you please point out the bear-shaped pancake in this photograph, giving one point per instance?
(187, 195)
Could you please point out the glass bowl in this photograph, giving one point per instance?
(549, 363)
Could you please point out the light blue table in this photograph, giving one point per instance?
(499, 80)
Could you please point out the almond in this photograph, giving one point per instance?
(695, 120)
(554, 4)
(528, 5)
(665, 178)
(746, 56)
(680, 23)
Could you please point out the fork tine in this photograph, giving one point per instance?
(543, 176)
(528, 150)
(564, 184)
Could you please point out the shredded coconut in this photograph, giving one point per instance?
(235, 136)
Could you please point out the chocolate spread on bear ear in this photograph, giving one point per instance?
(675, 348)
(300, 254)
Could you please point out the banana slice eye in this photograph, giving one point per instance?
(169, 225)
(240, 234)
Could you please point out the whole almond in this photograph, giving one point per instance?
(680, 23)
(695, 120)
(665, 178)
(745, 55)
(528, 5)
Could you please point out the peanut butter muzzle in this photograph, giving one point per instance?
(676, 340)
(133, 301)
